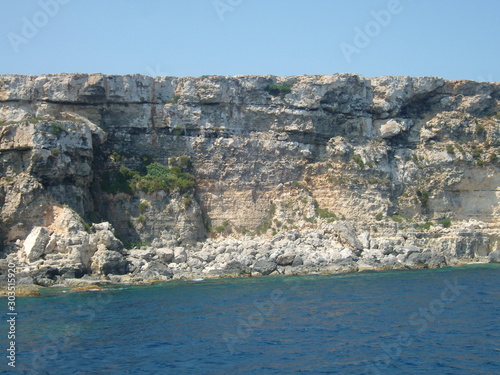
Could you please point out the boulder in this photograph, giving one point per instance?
(235, 268)
(36, 242)
(494, 257)
(391, 128)
(180, 255)
(298, 261)
(264, 266)
(285, 259)
(107, 261)
(165, 254)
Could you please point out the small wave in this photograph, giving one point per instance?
(198, 280)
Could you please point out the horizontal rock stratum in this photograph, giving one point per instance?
(134, 178)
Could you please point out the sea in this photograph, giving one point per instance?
(442, 321)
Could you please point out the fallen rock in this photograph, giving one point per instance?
(494, 257)
(235, 268)
(106, 261)
(36, 242)
(264, 267)
(285, 259)
(165, 255)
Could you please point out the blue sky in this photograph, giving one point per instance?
(454, 39)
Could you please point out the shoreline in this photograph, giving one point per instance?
(86, 285)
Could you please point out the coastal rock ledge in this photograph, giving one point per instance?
(133, 179)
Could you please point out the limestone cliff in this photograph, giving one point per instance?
(332, 172)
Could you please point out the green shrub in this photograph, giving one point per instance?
(379, 216)
(272, 209)
(143, 206)
(425, 226)
(461, 149)
(116, 157)
(423, 197)
(157, 177)
(480, 163)
(445, 223)
(187, 200)
(476, 152)
(480, 130)
(358, 160)
(178, 130)
(55, 152)
(174, 99)
(397, 218)
(160, 177)
(493, 158)
(56, 129)
(118, 181)
(264, 227)
(276, 89)
(325, 214)
(136, 244)
(450, 149)
(141, 219)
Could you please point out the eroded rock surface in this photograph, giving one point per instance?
(330, 173)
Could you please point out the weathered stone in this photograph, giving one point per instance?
(264, 267)
(35, 243)
(263, 159)
(235, 268)
(285, 259)
(494, 257)
(180, 255)
(165, 254)
(297, 261)
(106, 261)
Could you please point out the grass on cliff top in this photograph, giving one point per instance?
(157, 177)
(276, 89)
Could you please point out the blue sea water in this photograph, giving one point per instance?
(443, 321)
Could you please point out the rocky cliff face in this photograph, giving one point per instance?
(330, 172)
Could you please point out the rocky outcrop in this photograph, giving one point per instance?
(140, 178)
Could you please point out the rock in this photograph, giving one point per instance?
(35, 243)
(235, 268)
(76, 283)
(264, 267)
(106, 261)
(180, 255)
(23, 291)
(494, 257)
(46, 276)
(165, 254)
(285, 259)
(297, 261)
(346, 234)
(391, 128)
(155, 271)
(265, 158)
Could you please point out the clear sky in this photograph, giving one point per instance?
(454, 39)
